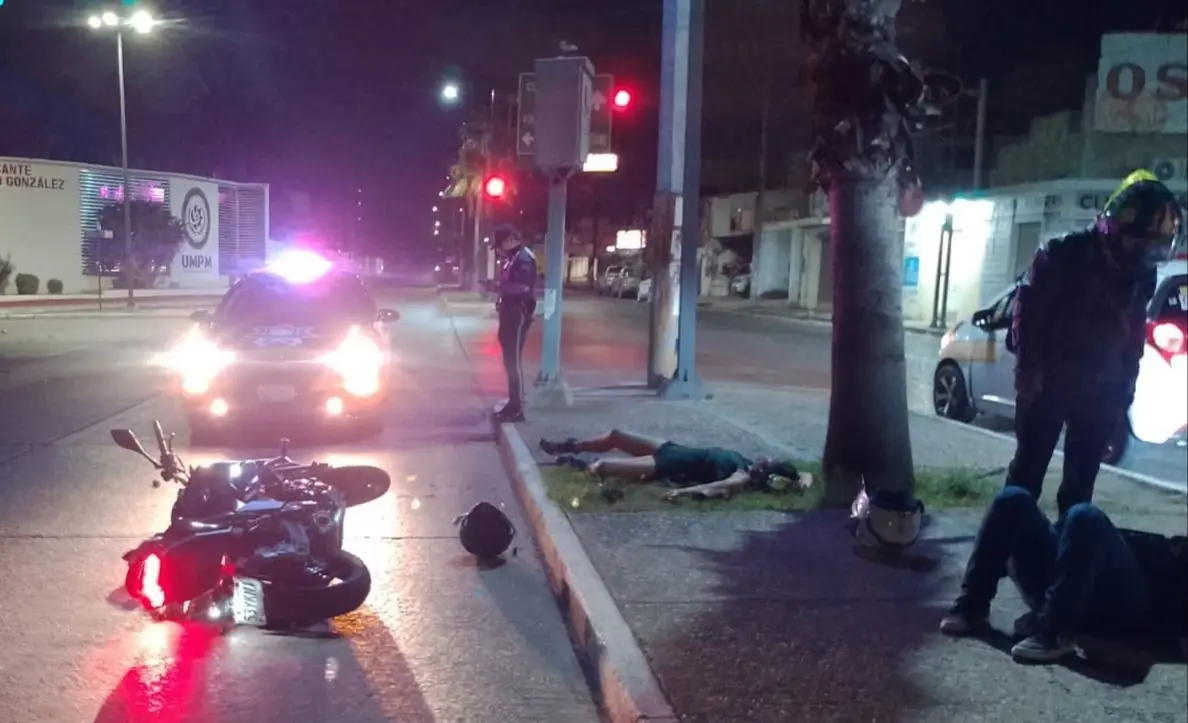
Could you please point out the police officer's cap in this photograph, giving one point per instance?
(503, 233)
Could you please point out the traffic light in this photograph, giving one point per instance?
(495, 187)
(621, 99)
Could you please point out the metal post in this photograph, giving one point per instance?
(550, 350)
(675, 71)
(685, 383)
(947, 240)
(127, 265)
(980, 135)
(936, 289)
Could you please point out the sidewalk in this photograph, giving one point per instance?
(114, 301)
(771, 617)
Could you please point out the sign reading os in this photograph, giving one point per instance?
(1142, 83)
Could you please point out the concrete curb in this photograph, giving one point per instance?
(815, 321)
(157, 313)
(43, 301)
(626, 687)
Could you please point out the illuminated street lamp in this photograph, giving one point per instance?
(141, 22)
(451, 93)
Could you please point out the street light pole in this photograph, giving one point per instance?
(127, 195)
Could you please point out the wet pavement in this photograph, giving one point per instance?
(608, 339)
(438, 640)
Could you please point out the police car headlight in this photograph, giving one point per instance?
(198, 360)
(359, 361)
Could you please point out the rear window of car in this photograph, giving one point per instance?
(1172, 301)
(269, 300)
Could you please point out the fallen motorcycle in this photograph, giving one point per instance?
(254, 542)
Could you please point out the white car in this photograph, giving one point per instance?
(645, 290)
(976, 373)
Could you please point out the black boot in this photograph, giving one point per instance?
(568, 446)
(509, 414)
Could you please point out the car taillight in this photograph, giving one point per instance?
(358, 359)
(1167, 337)
(147, 583)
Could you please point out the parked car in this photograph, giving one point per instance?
(626, 283)
(644, 293)
(975, 373)
(607, 279)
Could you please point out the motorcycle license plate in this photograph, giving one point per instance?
(247, 602)
(276, 393)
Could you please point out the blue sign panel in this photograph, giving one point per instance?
(911, 271)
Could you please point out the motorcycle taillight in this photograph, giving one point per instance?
(146, 583)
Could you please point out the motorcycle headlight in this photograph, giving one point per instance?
(359, 361)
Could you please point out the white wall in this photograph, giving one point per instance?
(39, 221)
(771, 266)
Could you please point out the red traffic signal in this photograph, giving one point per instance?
(621, 99)
(495, 187)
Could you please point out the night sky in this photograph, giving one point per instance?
(329, 97)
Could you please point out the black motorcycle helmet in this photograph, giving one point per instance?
(1141, 219)
(485, 531)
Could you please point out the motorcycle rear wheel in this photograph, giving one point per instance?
(302, 605)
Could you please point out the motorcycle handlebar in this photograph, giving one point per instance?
(159, 433)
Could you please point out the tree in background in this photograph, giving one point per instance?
(867, 102)
(156, 237)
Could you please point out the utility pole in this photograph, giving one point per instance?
(761, 194)
(980, 135)
(672, 342)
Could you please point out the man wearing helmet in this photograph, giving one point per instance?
(697, 472)
(517, 304)
(1078, 333)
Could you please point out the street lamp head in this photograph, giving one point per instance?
(95, 22)
(450, 92)
(142, 21)
(110, 19)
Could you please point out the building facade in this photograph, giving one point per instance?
(49, 222)
(995, 234)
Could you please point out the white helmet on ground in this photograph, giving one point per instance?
(890, 520)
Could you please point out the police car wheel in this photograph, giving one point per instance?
(950, 396)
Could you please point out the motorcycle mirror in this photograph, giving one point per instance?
(126, 439)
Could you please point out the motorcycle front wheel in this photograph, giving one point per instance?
(286, 604)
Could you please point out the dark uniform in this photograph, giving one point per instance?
(1078, 333)
(517, 305)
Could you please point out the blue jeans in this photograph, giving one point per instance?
(1078, 574)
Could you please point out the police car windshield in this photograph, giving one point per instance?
(266, 300)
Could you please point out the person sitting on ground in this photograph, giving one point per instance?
(699, 472)
(1080, 576)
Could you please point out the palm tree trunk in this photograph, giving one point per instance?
(868, 435)
(866, 102)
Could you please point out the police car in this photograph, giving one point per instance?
(298, 342)
(976, 373)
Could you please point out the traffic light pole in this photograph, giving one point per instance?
(550, 350)
(672, 338)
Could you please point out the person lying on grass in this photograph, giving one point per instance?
(698, 472)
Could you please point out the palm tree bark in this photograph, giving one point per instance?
(866, 103)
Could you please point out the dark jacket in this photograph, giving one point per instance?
(1079, 317)
(517, 278)
(1164, 563)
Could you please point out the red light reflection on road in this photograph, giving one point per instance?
(166, 683)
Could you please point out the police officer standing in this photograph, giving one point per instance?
(1079, 331)
(517, 305)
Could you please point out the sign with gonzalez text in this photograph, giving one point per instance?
(1142, 83)
(30, 176)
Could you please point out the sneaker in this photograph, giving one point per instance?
(1043, 649)
(1026, 625)
(506, 416)
(958, 622)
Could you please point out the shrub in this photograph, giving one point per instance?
(6, 269)
(27, 284)
(54, 286)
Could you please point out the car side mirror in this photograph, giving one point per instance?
(386, 316)
(201, 316)
(982, 319)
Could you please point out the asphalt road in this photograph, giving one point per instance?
(610, 335)
(439, 639)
